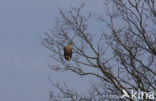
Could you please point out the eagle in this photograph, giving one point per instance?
(68, 51)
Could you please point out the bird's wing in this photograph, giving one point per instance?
(64, 51)
(69, 51)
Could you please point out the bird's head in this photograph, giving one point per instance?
(70, 43)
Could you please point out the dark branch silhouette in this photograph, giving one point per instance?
(122, 56)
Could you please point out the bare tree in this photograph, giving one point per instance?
(121, 56)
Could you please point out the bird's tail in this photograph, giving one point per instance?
(67, 58)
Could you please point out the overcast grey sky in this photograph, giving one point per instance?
(23, 61)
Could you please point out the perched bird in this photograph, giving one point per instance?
(68, 51)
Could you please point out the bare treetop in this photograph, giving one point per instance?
(123, 57)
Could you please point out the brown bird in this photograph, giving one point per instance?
(68, 51)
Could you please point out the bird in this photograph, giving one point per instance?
(68, 51)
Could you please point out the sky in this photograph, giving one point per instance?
(24, 62)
